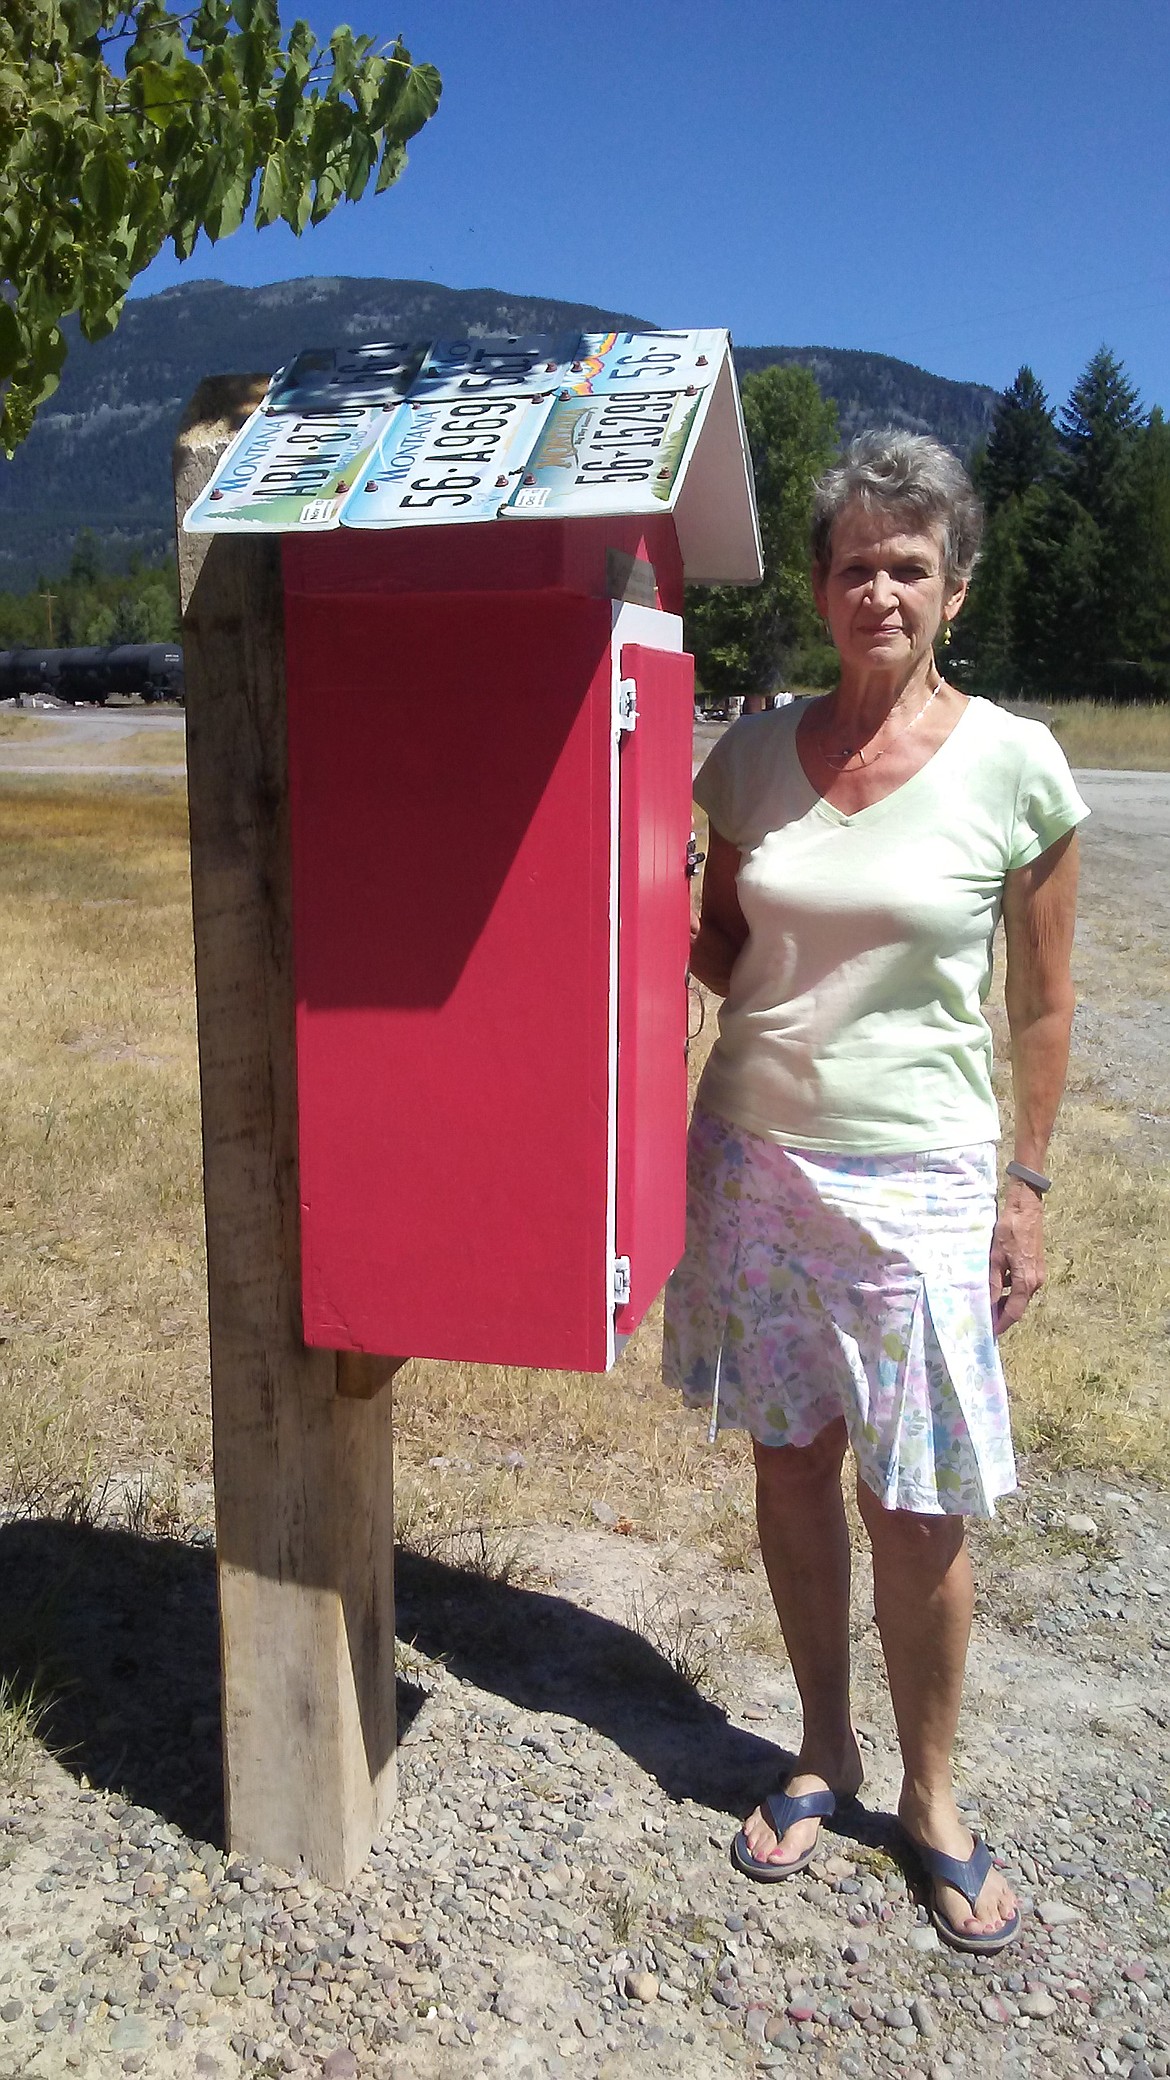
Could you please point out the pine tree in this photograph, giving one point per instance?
(1057, 605)
(1150, 618)
(1020, 459)
(1098, 434)
(985, 659)
(1021, 447)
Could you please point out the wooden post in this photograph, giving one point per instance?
(303, 1438)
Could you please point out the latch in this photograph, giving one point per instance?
(621, 1282)
(625, 707)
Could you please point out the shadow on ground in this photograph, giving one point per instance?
(545, 1654)
(117, 1633)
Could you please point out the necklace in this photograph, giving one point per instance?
(840, 759)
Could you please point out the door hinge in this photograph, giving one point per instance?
(625, 706)
(621, 1282)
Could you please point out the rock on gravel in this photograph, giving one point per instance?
(1056, 1913)
(340, 2065)
(641, 1986)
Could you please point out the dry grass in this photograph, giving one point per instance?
(132, 747)
(21, 1713)
(1087, 1363)
(102, 1307)
(1128, 739)
(677, 1633)
(17, 725)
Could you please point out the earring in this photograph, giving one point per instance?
(946, 635)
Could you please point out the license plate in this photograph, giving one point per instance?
(608, 454)
(454, 459)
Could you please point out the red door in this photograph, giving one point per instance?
(654, 940)
(451, 778)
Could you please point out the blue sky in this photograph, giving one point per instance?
(968, 184)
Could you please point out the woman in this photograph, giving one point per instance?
(847, 1274)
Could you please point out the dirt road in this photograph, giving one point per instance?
(131, 741)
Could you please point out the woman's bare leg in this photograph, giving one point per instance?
(804, 1539)
(923, 1599)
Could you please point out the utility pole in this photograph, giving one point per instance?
(50, 599)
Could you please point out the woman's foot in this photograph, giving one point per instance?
(795, 1844)
(995, 1911)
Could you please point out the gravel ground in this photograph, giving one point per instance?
(553, 1896)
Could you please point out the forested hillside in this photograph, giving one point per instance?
(875, 390)
(99, 455)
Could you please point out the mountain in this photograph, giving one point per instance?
(876, 390)
(99, 455)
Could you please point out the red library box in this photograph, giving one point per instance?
(490, 726)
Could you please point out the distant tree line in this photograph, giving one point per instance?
(1072, 596)
(759, 639)
(91, 605)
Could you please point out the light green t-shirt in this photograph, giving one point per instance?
(854, 1019)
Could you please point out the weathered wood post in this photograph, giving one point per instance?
(439, 859)
(303, 1438)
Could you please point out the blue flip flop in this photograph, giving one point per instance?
(968, 1878)
(782, 1812)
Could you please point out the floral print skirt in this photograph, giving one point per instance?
(816, 1285)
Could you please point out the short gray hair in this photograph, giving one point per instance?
(905, 476)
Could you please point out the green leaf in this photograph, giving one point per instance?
(160, 90)
(45, 138)
(198, 187)
(227, 212)
(16, 418)
(211, 25)
(409, 98)
(12, 92)
(46, 362)
(331, 127)
(344, 54)
(104, 298)
(147, 242)
(298, 201)
(363, 154)
(270, 205)
(11, 341)
(290, 93)
(83, 18)
(393, 163)
(105, 187)
(158, 42)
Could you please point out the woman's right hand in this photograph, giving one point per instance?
(1017, 1255)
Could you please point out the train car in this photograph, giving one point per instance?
(153, 671)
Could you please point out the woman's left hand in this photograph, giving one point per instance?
(1017, 1255)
